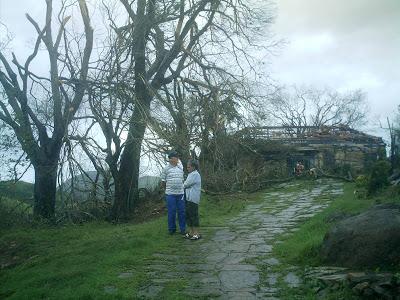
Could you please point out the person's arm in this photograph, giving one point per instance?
(163, 185)
(163, 176)
(190, 180)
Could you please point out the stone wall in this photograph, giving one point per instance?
(333, 158)
(335, 149)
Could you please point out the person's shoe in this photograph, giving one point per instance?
(195, 237)
(187, 236)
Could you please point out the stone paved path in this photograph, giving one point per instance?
(226, 263)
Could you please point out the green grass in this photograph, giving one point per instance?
(302, 247)
(79, 261)
(215, 210)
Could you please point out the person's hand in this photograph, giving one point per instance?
(163, 185)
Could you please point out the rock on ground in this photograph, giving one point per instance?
(370, 239)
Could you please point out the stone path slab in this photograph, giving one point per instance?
(226, 265)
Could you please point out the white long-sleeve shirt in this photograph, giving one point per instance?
(192, 186)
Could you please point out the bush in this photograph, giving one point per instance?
(242, 164)
(379, 176)
(362, 182)
(361, 186)
(14, 213)
(396, 161)
(17, 190)
(343, 170)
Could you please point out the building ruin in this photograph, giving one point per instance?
(339, 149)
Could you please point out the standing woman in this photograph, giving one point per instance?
(192, 186)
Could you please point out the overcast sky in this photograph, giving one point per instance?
(352, 44)
(343, 44)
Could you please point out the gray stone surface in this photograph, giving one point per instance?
(368, 239)
(125, 275)
(238, 296)
(271, 261)
(226, 263)
(232, 280)
(150, 292)
(272, 279)
(110, 289)
(292, 280)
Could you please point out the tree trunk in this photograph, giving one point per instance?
(45, 190)
(120, 206)
(183, 141)
(126, 190)
(184, 151)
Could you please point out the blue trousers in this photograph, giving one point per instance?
(176, 203)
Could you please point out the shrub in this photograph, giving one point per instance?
(362, 181)
(361, 184)
(14, 213)
(396, 161)
(379, 176)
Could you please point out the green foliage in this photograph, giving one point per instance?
(361, 181)
(382, 153)
(17, 190)
(361, 185)
(14, 213)
(396, 161)
(390, 194)
(378, 177)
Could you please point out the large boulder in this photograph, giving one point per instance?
(370, 239)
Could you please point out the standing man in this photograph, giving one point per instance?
(172, 182)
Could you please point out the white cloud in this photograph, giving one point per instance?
(365, 81)
(312, 43)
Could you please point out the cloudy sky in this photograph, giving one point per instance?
(343, 44)
(352, 44)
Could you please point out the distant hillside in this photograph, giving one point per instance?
(83, 185)
(20, 190)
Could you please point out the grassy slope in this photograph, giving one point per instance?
(302, 247)
(78, 262)
(11, 208)
(20, 190)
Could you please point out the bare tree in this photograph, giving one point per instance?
(163, 39)
(394, 133)
(39, 109)
(12, 157)
(314, 107)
